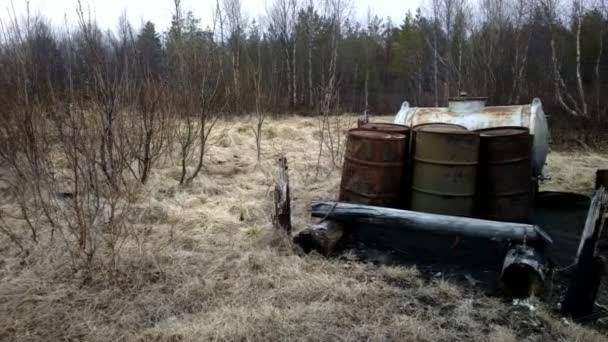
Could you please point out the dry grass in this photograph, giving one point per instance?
(573, 171)
(215, 270)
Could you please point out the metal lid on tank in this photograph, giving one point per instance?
(465, 104)
(468, 98)
(464, 96)
(375, 135)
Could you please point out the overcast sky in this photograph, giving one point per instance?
(159, 11)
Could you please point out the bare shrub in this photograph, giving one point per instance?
(65, 168)
(148, 128)
(198, 75)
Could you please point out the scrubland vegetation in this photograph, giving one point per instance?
(136, 170)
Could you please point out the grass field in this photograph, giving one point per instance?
(214, 269)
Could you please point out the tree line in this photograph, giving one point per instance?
(311, 56)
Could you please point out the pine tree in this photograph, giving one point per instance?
(150, 50)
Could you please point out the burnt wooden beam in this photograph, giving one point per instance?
(282, 201)
(321, 237)
(523, 272)
(579, 301)
(355, 214)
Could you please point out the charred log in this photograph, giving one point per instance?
(579, 301)
(523, 272)
(355, 214)
(322, 237)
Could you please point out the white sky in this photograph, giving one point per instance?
(160, 11)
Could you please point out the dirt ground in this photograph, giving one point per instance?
(214, 269)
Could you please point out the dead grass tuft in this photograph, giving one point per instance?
(213, 268)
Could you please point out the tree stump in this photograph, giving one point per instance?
(282, 202)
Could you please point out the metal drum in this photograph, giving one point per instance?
(505, 174)
(387, 127)
(373, 168)
(472, 113)
(444, 170)
(406, 179)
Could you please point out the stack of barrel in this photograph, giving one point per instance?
(442, 169)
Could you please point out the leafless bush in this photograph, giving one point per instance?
(65, 162)
(198, 69)
(148, 131)
(329, 122)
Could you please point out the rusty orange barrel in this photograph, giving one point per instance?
(505, 174)
(373, 168)
(444, 170)
(406, 180)
(601, 178)
(386, 127)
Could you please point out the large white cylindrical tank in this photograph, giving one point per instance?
(472, 113)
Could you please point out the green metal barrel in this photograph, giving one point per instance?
(444, 170)
(505, 174)
(373, 169)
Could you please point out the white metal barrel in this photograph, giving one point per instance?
(472, 113)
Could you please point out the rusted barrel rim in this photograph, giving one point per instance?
(497, 194)
(521, 130)
(378, 135)
(377, 164)
(367, 195)
(371, 126)
(443, 193)
(507, 161)
(430, 124)
(447, 131)
(444, 162)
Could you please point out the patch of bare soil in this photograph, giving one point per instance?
(214, 269)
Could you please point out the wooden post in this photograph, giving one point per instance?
(363, 119)
(579, 301)
(282, 201)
